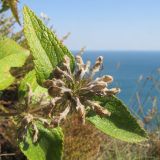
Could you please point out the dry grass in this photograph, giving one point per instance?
(87, 143)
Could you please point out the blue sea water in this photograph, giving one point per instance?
(135, 72)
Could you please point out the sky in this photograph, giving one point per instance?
(103, 24)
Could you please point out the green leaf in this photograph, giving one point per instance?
(48, 147)
(30, 79)
(121, 124)
(11, 55)
(47, 50)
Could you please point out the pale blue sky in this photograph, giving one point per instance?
(104, 24)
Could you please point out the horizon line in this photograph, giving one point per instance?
(102, 50)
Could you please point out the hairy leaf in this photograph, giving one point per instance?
(121, 124)
(47, 50)
(48, 147)
(11, 55)
(30, 79)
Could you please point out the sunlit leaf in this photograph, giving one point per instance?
(48, 147)
(11, 55)
(121, 124)
(46, 49)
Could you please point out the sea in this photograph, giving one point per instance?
(137, 73)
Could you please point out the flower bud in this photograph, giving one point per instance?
(80, 74)
(81, 110)
(112, 91)
(64, 74)
(66, 65)
(97, 66)
(98, 109)
(48, 83)
(35, 133)
(87, 66)
(79, 60)
(106, 78)
(54, 91)
(58, 82)
(99, 86)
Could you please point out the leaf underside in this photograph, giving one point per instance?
(46, 49)
(121, 124)
(48, 147)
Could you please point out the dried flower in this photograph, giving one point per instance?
(70, 92)
(28, 118)
(75, 90)
(27, 122)
(97, 65)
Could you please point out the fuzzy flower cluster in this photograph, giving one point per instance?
(69, 91)
(74, 91)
